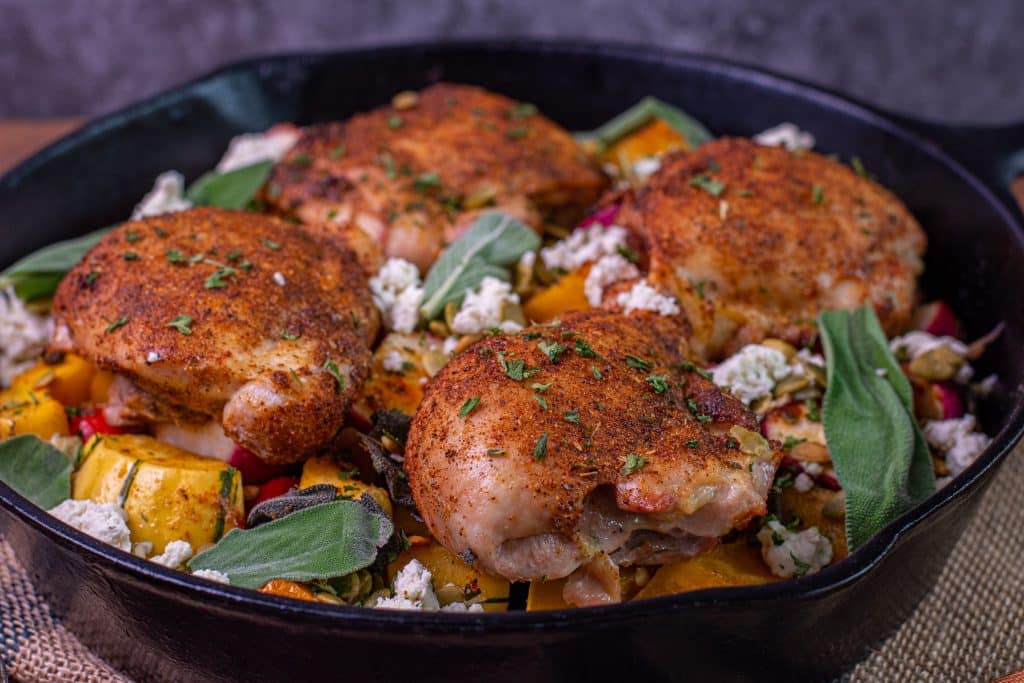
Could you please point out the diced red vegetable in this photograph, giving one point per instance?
(605, 216)
(951, 403)
(278, 486)
(937, 318)
(253, 470)
(92, 423)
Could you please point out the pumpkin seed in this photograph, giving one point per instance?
(791, 385)
(450, 309)
(940, 363)
(785, 348)
(439, 328)
(407, 99)
(478, 198)
(808, 451)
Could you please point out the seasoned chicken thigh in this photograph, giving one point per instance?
(755, 241)
(405, 181)
(224, 315)
(576, 448)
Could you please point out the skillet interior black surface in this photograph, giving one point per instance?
(818, 626)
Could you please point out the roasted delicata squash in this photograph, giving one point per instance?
(168, 494)
(344, 476)
(67, 378)
(25, 411)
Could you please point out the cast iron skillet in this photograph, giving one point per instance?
(160, 624)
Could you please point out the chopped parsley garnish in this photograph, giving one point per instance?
(395, 121)
(540, 388)
(552, 349)
(216, 279)
(541, 401)
(791, 441)
(813, 410)
(468, 406)
(182, 323)
(698, 287)
(332, 367)
(517, 132)
(161, 233)
(522, 111)
(92, 277)
(572, 416)
(530, 336)
(801, 566)
(385, 160)
(692, 443)
(516, 370)
(597, 372)
(197, 258)
(732, 443)
(634, 463)
(337, 152)
(132, 237)
(495, 451)
(817, 193)
(424, 182)
(858, 167)
(708, 184)
(583, 349)
(597, 404)
(120, 322)
(290, 336)
(695, 409)
(689, 366)
(638, 363)
(354, 472)
(540, 447)
(131, 256)
(301, 159)
(271, 244)
(175, 256)
(658, 382)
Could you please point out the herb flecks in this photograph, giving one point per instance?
(335, 372)
(120, 322)
(468, 407)
(634, 463)
(638, 363)
(540, 447)
(552, 349)
(658, 382)
(182, 323)
(705, 182)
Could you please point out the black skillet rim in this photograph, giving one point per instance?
(828, 581)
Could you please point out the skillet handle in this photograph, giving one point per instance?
(993, 153)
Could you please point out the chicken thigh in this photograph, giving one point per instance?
(224, 315)
(405, 181)
(575, 448)
(755, 241)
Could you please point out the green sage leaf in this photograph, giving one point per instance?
(494, 242)
(879, 453)
(320, 542)
(230, 190)
(38, 274)
(36, 470)
(642, 113)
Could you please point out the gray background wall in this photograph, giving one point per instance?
(952, 61)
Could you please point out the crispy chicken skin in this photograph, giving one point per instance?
(404, 182)
(788, 234)
(264, 337)
(618, 452)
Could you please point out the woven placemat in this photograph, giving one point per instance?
(971, 628)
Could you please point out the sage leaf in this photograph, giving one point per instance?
(879, 453)
(642, 113)
(38, 274)
(321, 542)
(36, 470)
(232, 189)
(494, 242)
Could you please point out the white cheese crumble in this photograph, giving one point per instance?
(787, 135)
(142, 549)
(645, 167)
(609, 269)
(917, 343)
(167, 196)
(643, 297)
(482, 308)
(790, 553)
(251, 148)
(175, 554)
(803, 483)
(414, 589)
(23, 336)
(212, 575)
(393, 361)
(752, 372)
(279, 278)
(584, 245)
(152, 357)
(449, 344)
(104, 521)
(957, 439)
(397, 293)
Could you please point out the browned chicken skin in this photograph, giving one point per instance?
(404, 182)
(785, 236)
(276, 338)
(618, 452)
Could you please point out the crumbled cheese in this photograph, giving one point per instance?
(752, 372)
(142, 549)
(176, 553)
(609, 269)
(152, 357)
(167, 196)
(212, 575)
(23, 336)
(463, 607)
(789, 553)
(645, 167)
(803, 483)
(413, 589)
(813, 468)
(525, 265)
(393, 361)
(957, 439)
(250, 148)
(279, 279)
(643, 297)
(397, 293)
(105, 521)
(917, 343)
(482, 308)
(985, 387)
(787, 135)
(584, 245)
(449, 344)
(723, 209)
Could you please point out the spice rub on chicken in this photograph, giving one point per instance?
(571, 449)
(404, 180)
(227, 316)
(755, 241)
